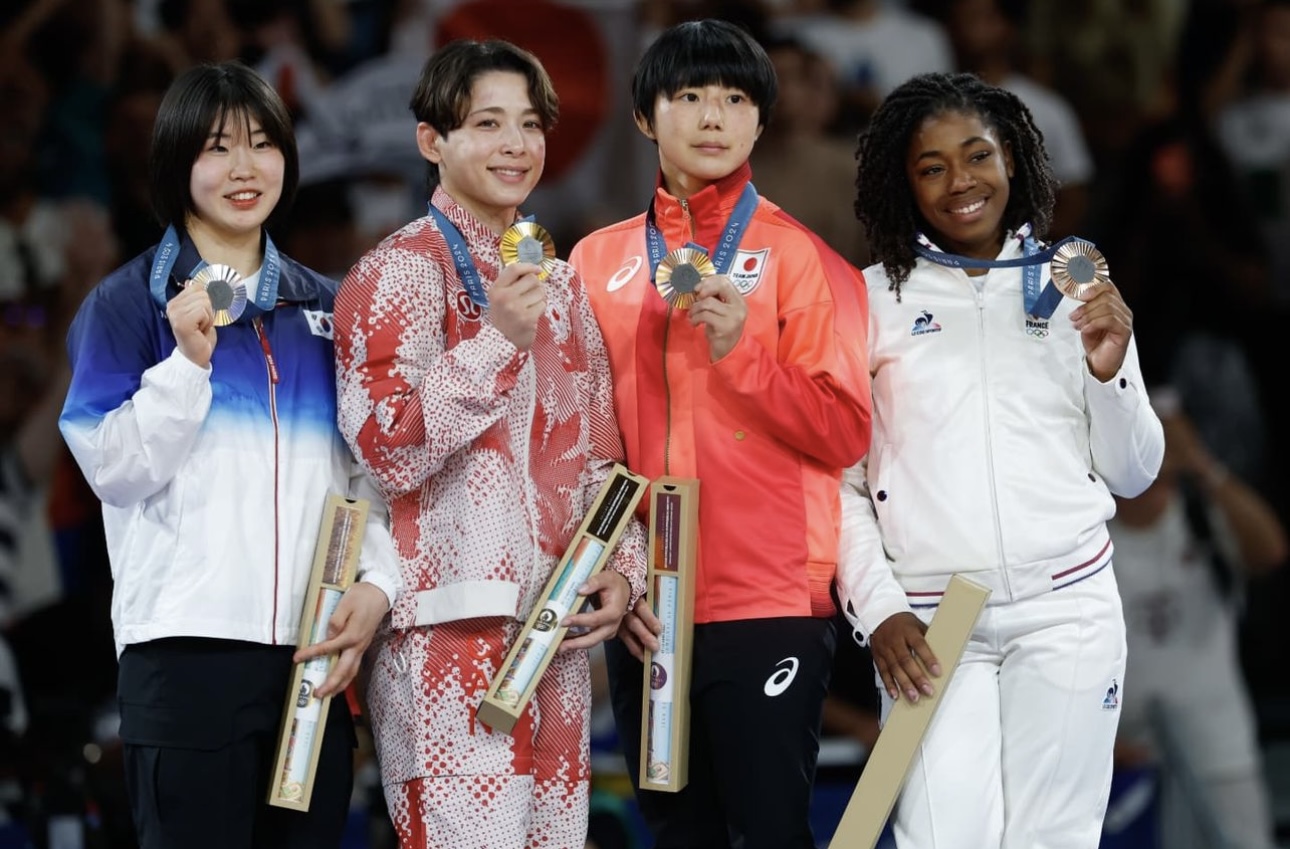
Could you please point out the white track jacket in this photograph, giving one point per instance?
(213, 480)
(995, 450)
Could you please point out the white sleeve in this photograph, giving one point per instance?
(866, 586)
(1127, 439)
(135, 450)
(378, 560)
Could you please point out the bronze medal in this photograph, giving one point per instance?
(1079, 270)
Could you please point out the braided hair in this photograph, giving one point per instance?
(884, 199)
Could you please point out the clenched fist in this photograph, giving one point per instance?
(516, 301)
(192, 319)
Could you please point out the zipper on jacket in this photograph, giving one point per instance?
(989, 439)
(667, 386)
(689, 219)
(271, 366)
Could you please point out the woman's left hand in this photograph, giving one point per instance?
(349, 633)
(1105, 325)
(611, 591)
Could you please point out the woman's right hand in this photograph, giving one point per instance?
(192, 319)
(903, 656)
(640, 629)
(517, 300)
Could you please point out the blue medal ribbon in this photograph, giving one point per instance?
(466, 268)
(726, 248)
(1039, 303)
(265, 296)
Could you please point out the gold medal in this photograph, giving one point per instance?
(1079, 270)
(227, 292)
(680, 273)
(526, 241)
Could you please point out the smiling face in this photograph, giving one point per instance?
(493, 160)
(704, 133)
(236, 182)
(960, 171)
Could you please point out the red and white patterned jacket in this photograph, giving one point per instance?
(488, 456)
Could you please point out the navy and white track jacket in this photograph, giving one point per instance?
(213, 480)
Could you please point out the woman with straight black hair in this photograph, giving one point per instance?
(202, 411)
(754, 383)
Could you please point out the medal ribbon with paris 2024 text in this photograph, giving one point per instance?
(726, 248)
(265, 297)
(1039, 303)
(461, 258)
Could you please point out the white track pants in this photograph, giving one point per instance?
(1018, 755)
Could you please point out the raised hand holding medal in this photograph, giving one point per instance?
(1079, 270)
(193, 322)
(211, 295)
(214, 297)
(684, 280)
(1104, 321)
(721, 311)
(527, 241)
(678, 276)
(226, 289)
(517, 299)
(688, 280)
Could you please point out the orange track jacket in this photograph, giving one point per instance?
(768, 428)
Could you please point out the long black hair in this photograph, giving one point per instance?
(884, 198)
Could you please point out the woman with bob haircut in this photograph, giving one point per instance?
(757, 387)
(202, 411)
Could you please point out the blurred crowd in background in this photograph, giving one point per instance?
(1168, 123)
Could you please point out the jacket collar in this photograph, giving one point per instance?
(1013, 244)
(481, 240)
(707, 210)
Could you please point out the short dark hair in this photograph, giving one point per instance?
(206, 96)
(698, 53)
(884, 198)
(442, 95)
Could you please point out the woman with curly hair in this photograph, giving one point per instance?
(1006, 419)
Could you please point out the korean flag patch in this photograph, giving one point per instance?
(320, 323)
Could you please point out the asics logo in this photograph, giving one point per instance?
(624, 274)
(783, 677)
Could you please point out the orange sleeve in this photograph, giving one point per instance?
(812, 393)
